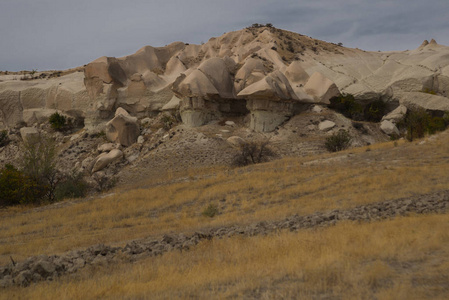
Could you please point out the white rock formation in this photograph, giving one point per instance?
(389, 127)
(396, 115)
(321, 88)
(326, 125)
(104, 159)
(28, 134)
(123, 128)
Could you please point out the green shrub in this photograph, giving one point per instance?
(429, 91)
(15, 187)
(347, 105)
(168, 121)
(210, 211)
(58, 122)
(418, 122)
(374, 111)
(338, 141)
(4, 139)
(73, 186)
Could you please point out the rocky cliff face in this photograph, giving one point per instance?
(265, 73)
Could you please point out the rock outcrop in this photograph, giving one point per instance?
(123, 128)
(105, 159)
(240, 73)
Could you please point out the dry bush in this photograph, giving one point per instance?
(253, 152)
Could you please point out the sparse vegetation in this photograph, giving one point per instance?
(374, 111)
(274, 190)
(39, 164)
(15, 187)
(210, 211)
(58, 122)
(338, 141)
(73, 186)
(429, 91)
(4, 139)
(253, 152)
(168, 121)
(418, 122)
(347, 105)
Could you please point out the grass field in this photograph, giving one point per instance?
(352, 260)
(404, 258)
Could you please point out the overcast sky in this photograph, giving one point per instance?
(61, 34)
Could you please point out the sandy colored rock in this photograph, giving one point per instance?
(389, 127)
(321, 88)
(236, 141)
(172, 105)
(425, 100)
(28, 134)
(396, 115)
(104, 159)
(123, 128)
(274, 86)
(326, 125)
(107, 147)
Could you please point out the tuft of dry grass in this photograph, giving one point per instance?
(260, 192)
(404, 258)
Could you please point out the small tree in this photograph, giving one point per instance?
(39, 163)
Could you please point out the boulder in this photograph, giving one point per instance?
(317, 109)
(107, 147)
(104, 159)
(44, 268)
(424, 100)
(296, 74)
(396, 115)
(123, 128)
(274, 87)
(326, 125)
(28, 134)
(236, 141)
(321, 88)
(173, 104)
(37, 115)
(389, 127)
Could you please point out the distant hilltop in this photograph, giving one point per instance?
(262, 71)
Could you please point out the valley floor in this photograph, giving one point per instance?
(401, 258)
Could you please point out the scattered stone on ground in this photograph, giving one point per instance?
(44, 267)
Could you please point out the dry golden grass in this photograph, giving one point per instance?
(404, 258)
(261, 192)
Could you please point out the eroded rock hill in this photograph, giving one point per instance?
(265, 73)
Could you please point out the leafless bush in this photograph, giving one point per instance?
(253, 152)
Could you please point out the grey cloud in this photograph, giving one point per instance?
(59, 34)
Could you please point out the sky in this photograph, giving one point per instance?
(61, 34)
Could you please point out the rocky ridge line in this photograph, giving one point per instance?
(43, 267)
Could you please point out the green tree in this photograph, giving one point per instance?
(15, 187)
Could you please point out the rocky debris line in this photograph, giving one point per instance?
(45, 267)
